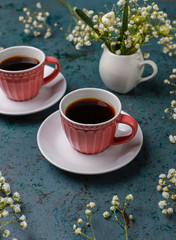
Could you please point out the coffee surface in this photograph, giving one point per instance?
(17, 63)
(90, 111)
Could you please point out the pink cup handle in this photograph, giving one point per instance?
(126, 119)
(56, 70)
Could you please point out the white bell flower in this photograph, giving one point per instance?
(109, 18)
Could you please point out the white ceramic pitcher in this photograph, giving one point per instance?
(121, 73)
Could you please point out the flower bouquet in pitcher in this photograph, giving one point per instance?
(122, 31)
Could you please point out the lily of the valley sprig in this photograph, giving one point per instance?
(117, 213)
(36, 22)
(167, 185)
(118, 208)
(172, 109)
(80, 231)
(124, 28)
(10, 209)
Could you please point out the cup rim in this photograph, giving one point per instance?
(25, 70)
(91, 124)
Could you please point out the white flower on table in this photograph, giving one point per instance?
(170, 210)
(23, 224)
(78, 231)
(6, 233)
(165, 195)
(88, 212)
(5, 213)
(129, 197)
(162, 204)
(106, 215)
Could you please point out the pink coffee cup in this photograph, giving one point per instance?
(95, 138)
(22, 85)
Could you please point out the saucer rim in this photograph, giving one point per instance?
(39, 109)
(88, 172)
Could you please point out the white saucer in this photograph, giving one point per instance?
(48, 95)
(55, 147)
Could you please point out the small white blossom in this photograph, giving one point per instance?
(171, 171)
(92, 204)
(115, 203)
(173, 102)
(173, 180)
(108, 19)
(70, 37)
(164, 211)
(78, 231)
(162, 182)
(113, 208)
(22, 218)
(121, 2)
(162, 175)
(170, 210)
(173, 197)
(162, 204)
(165, 195)
(137, 46)
(172, 139)
(165, 189)
(23, 224)
(38, 5)
(6, 233)
(6, 187)
(47, 34)
(80, 220)
(9, 201)
(5, 213)
(106, 214)
(159, 188)
(115, 198)
(16, 195)
(74, 227)
(88, 212)
(146, 55)
(16, 208)
(129, 197)
(21, 18)
(27, 31)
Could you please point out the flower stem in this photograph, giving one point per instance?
(118, 220)
(90, 222)
(126, 232)
(87, 236)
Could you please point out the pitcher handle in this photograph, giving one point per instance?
(154, 67)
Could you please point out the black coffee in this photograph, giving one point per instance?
(90, 111)
(17, 63)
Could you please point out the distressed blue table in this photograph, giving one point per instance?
(54, 199)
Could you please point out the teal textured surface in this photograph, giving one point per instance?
(54, 199)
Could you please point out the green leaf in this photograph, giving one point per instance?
(124, 27)
(125, 18)
(86, 19)
(90, 23)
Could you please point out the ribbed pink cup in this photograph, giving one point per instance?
(25, 84)
(95, 138)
